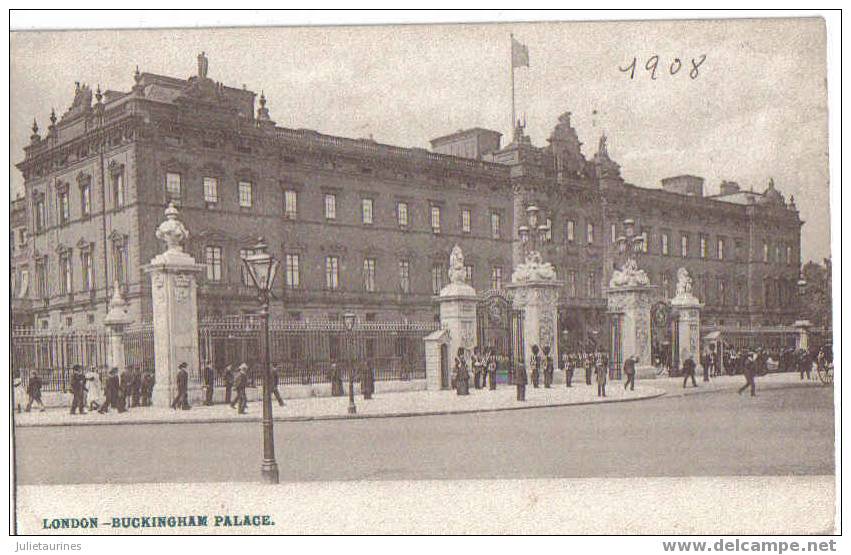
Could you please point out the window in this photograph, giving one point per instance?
(64, 207)
(213, 260)
(548, 235)
(666, 284)
(40, 214)
(496, 277)
(86, 200)
(496, 225)
(466, 216)
(684, 245)
(468, 274)
(722, 292)
(405, 276)
(330, 206)
(118, 188)
(571, 283)
(211, 190)
(665, 246)
(402, 214)
(332, 273)
(765, 252)
(703, 246)
(293, 277)
(369, 275)
(435, 219)
(41, 277)
(589, 233)
(645, 241)
(720, 249)
(246, 194)
(613, 233)
(436, 278)
(87, 269)
(173, 187)
(592, 284)
(290, 204)
(65, 278)
(119, 261)
(570, 231)
(788, 254)
(778, 256)
(366, 208)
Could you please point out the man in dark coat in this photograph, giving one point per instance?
(629, 372)
(750, 374)
(549, 368)
(229, 378)
(240, 382)
(209, 385)
(520, 380)
(688, 370)
(78, 389)
(602, 374)
(336, 381)
(181, 400)
(588, 359)
(34, 392)
(276, 376)
(147, 387)
(136, 386)
(112, 393)
(567, 363)
(805, 363)
(367, 381)
(125, 382)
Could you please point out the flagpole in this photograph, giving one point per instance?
(511, 57)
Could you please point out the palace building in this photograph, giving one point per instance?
(359, 225)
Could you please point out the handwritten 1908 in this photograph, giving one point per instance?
(652, 65)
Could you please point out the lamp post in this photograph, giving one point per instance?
(263, 267)
(349, 319)
(533, 234)
(629, 244)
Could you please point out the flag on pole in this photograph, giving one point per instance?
(519, 54)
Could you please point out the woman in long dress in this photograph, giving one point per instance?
(95, 390)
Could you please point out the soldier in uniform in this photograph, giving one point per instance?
(478, 364)
(78, 389)
(535, 363)
(548, 367)
(209, 385)
(240, 383)
(125, 382)
(602, 376)
(520, 379)
(462, 375)
(181, 400)
(491, 369)
(588, 362)
(567, 365)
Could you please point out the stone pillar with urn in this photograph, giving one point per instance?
(457, 316)
(534, 290)
(116, 321)
(629, 299)
(175, 311)
(688, 324)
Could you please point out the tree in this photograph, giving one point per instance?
(817, 298)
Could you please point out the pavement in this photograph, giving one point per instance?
(413, 403)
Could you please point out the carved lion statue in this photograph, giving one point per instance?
(684, 282)
(457, 274)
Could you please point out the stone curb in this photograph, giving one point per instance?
(227, 420)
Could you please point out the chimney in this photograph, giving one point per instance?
(729, 187)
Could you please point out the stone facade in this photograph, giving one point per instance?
(357, 215)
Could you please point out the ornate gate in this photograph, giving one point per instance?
(663, 335)
(499, 325)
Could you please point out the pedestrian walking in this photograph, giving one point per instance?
(491, 369)
(520, 380)
(229, 378)
(19, 393)
(478, 364)
(147, 388)
(689, 369)
(209, 385)
(125, 382)
(548, 367)
(276, 376)
(78, 390)
(34, 392)
(805, 363)
(750, 375)
(112, 393)
(713, 362)
(336, 381)
(240, 382)
(602, 377)
(629, 372)
(367, 380)
(181, 400)
(461, 377)
(535, 363)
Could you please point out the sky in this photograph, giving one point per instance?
(756, 109)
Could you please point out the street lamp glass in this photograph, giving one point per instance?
(261, 266)
(532, 211)
(523, 232)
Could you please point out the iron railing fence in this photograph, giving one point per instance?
(305, 351)
(139, 346)
(52, 354)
